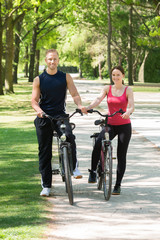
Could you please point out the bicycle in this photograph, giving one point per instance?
(64, 152)
(104, 166)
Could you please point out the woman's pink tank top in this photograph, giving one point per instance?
(114, 104)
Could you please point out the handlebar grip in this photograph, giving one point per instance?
(121, 111)
(79, 111)
(45, 115)
(90, 111)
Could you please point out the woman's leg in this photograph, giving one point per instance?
(124, 134)
(97, 151)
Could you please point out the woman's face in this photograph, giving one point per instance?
(117, 76)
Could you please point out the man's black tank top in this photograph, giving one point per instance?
(53, 90)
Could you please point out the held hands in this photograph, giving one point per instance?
(84, 110)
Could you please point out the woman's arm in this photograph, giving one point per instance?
(99, 99)
(130, 108)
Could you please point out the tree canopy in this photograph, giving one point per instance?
(92, 35)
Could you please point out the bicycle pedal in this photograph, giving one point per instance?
(55, 171)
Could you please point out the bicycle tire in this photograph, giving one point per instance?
(70, 159)
(61, 162)
(100, 171)
(68, 181)
(107, 174)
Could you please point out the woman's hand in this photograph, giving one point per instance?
(84, 110)
(126, 115)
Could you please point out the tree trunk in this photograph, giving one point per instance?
(1, 53)
(33, 49)
(32, 55)
(100, 70)
(109, 39)
(135, 72)
(95, 72)
(16, 50)
(26, 62)
(9, 52)
(120, 60)
(37, 63)
(130, 60)
(80, 65)
(141, 70)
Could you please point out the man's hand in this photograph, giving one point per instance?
(84, 109)
(40, 114)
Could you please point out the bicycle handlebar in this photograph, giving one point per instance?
(106, 115)
(66, 116)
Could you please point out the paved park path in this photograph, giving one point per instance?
(135, 214)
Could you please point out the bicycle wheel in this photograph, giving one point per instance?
(61, 162)
(107, 174)
(100, 168)
(68, 181)
(70, 159)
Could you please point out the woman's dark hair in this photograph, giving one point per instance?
(120, 68)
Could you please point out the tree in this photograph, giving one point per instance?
(10, 13)
(9, 47)
(17, 40)
(1, 51)
(72, 47)
(109, 38)
(130, 55)
(12, 16)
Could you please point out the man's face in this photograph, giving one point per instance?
(52, 60)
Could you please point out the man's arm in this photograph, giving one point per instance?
(36, 97)
(73, 91)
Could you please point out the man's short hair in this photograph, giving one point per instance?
(51, 51)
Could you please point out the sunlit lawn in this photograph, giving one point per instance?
(23, 213)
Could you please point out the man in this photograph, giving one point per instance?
(48, 96)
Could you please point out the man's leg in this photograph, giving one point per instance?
(44, 136)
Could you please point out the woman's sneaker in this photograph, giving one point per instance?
(92, 176)
(116, 190)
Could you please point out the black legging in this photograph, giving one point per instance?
(45, 136)
(124, 134)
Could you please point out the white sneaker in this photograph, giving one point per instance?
(77, 174)
(45, 192)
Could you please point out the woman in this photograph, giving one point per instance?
(118, 96)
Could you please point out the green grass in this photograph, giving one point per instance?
(23, 213)
(146, 89)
